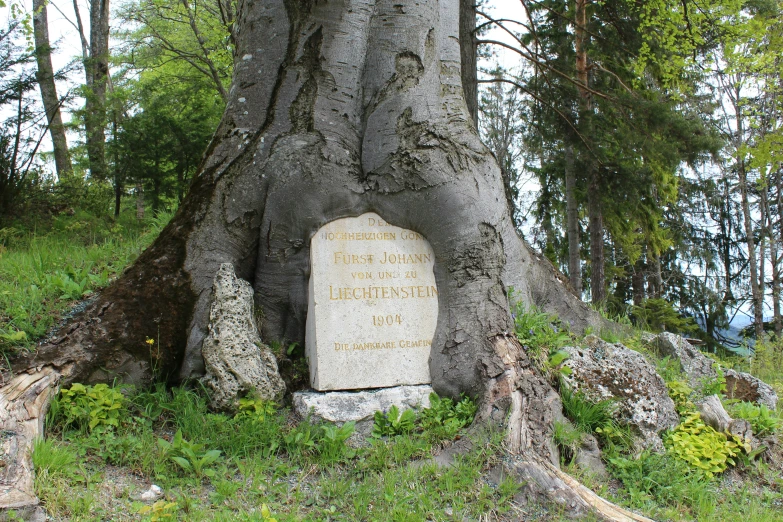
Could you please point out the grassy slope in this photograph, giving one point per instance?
(45, 268)
(288, 466)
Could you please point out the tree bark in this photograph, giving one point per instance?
(775, 243)
(595, 215)
(349, 107)
(140, 201)
(468, 56)
(758, 313)
(96, 68)
(51, 102)
(572, 218)
(597, 278)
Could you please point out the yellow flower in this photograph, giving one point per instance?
(150, 341)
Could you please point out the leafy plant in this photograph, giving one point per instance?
(445, 418)
(680, 393)
(301, 439)
(763, 420)
(13, 337)
(616, 437)
(191, 457)
(669, 369)
(258, 409)
(702, 447)
(68, 287)
(266, 514)
(393, 423)
(568, 438)
(332, 445)
(160, 510)
(556, 359)
(98, 407)
(541, 333)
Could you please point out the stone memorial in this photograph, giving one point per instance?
(373, 305)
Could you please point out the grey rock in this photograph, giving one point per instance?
(152, 494)
(360, 407)
(745, 387)
(713, 413)
(742, 428)
(588, 457)
(697, 366)
(612, 371)
(237, 362)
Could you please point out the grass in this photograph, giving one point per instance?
(47, 267)
(262, 462)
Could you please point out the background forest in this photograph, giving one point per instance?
(640, 143)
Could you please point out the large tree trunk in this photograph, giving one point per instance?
(51, 102)
(337, 109)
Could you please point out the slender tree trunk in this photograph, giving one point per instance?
(139, 201)
(205, 55)
(725, 224)
(763, 235)
(775, 242)
(758, 314)
(96, 68)
(51, 102)
(468, 56)
(637, 282)
(572, 218)
(594, 210)
(597, 278)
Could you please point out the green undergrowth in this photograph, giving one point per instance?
(45, 267)
(214, 466)
(687, 480)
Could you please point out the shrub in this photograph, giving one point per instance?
(680, 393)
(97, 407)
(702, 447)
(393, 423)
(444, 418)
(542, 333)
(763, 420)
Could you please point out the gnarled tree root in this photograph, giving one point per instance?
(23, 405)
(545, 484)
(530, 405)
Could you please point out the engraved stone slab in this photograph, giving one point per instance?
(373, 305)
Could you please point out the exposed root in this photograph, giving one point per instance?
(530, 406)
(23, 405)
